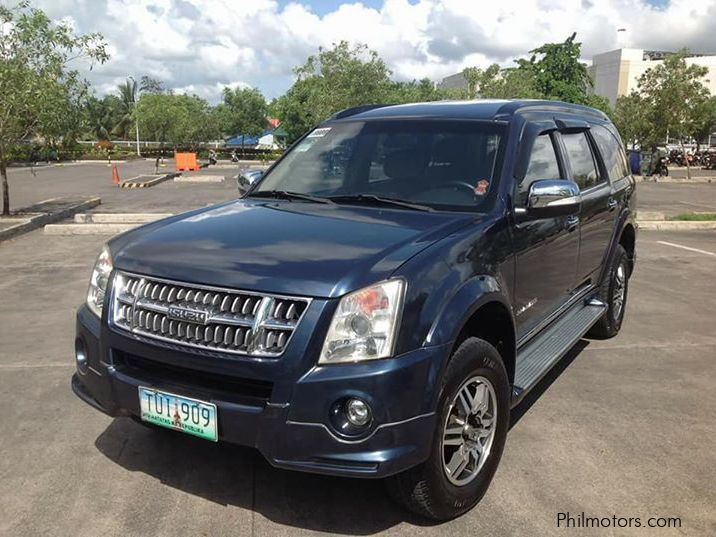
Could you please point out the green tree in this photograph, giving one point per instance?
(707, 123)
(36, 85)
(128, 94)
(243, 111)
(335, 78)
(676, 97)
(558, 73)
(147, 84)
(100, 116)
(179, 120)
(630, 116)
(496, 83)
(552, 72)
(423, 90)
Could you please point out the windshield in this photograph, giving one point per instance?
(441, 164)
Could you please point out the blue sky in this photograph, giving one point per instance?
(201, 46)
(321, 7)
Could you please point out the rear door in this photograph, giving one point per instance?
(598, 212)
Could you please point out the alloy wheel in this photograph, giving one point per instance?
(469, 430)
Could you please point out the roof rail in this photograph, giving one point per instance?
(347, 112)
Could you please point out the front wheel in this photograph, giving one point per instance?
(473, 418)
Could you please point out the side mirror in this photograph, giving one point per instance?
(246, 179)
(550, 198)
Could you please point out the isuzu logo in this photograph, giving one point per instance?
(185, 314)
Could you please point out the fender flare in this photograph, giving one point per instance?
(456, 311)
(625, 219)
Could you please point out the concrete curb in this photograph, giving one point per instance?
(119, 218)
(89, 229)
(39, 220)
(675, 225)
(200, 179)
(130, 183)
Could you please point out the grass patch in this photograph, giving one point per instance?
(695, 217)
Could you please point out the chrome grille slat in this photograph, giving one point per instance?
(232, 321)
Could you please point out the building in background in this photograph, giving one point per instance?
(456, 81)
(616, 73)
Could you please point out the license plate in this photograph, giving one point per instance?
(178, 412)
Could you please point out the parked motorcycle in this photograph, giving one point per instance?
(661, 167)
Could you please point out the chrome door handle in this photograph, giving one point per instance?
(571, 222)
(612, 204)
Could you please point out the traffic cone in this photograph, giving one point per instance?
(115, 175)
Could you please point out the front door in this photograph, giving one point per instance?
(546, 249)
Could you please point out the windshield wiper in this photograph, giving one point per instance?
(286, 195)
(373, 199)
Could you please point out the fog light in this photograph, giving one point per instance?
(81, 357)
(358, 412)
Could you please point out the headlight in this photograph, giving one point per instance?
(365, 324)
(98, 281)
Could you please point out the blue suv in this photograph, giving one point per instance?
(379, 300)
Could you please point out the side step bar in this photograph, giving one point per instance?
(538, 356)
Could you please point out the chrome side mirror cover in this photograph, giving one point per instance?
(550, 198)
(247, 178)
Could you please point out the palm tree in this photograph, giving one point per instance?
(128, 100)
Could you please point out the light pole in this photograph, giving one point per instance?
(136, 118)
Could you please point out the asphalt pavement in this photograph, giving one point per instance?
(32, 185)
(622, 427)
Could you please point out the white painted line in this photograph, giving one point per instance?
(689, 248)
(697, 204)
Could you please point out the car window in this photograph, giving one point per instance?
(611, 151)
(440, 163)
(584, 170)
(542, 165)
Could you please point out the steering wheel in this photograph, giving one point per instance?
(457, 184)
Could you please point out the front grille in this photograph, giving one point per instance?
(205, 317)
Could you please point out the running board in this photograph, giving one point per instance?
(536, 358)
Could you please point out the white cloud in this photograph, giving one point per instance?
(201, 45)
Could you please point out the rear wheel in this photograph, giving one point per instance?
(473, 417)
(614, 294)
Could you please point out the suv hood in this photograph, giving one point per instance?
(294, 248)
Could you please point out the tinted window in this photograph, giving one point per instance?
(542, 165)
(611, 151)
(441, 163)
(584, 171)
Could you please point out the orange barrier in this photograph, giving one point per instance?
(186, 162)
(115, 175)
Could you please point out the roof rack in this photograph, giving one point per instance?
(347, 112)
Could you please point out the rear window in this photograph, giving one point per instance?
(579, 153)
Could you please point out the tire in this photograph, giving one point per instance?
(426, 489)
(610, 323)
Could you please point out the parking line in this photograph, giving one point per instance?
(689, 248)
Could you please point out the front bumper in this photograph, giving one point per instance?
(291, 426)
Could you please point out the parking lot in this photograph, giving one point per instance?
(621, 427)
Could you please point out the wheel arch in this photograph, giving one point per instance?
(627, 239)
(492, 322)
(478, 309)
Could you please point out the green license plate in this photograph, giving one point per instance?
(178, 412)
